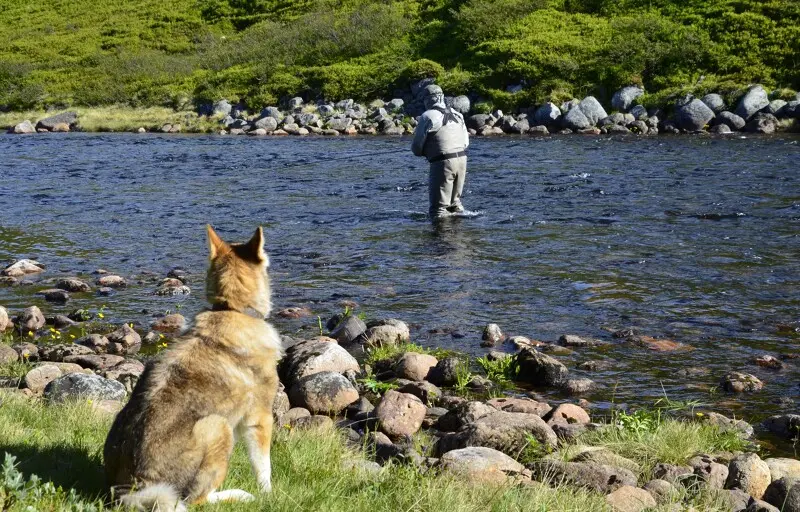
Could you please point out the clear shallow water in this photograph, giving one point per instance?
(693, 239)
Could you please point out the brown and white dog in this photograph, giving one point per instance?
(171, 443)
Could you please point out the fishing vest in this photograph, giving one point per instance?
(449, 139)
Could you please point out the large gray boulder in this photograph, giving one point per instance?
(83, 386)
(714, 102)
(731, 120)
(323, 392)
(22, 128)
(762, 123)
(267, 123)
(576, 120)
(273, 112)
(222, 108)
(479, 464)
(386, 332)
(540, 369)
(310, 357)
(754, 100)
(348, 330)
(592, 109)
(784, 425)
(776, 107)
(780, 467)
(339, 124)
(546, 115)
(624, 98)
(478, 121)
(49, 123)
(694, 116)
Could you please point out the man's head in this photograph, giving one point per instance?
(433, 96)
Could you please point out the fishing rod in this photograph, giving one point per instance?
(337, 159)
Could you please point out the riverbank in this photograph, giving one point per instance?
(463, 430)
(754, 111)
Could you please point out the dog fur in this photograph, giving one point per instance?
(170, 445)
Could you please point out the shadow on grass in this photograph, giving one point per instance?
(65, 466)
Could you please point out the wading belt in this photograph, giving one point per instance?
(447, 156)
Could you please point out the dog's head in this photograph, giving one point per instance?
(237, 274)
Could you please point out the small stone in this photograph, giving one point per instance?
(73, 285)
(112, 281)
(524, 405)
(55, 295)
(292, 415)
(782, 467)
(295, 312)
(771, 362)
(8, 354)
(400, 414)
(414, 366)
(738, 382)
(124, 341)
(22, 268)
(750, 474)
(5, 321)
(540, 369)
(492, 335)
(27, 351)
(95, 361)
(324, 392)
(315, 422)
(30, 320)
(97, 342)
(662, 491)
(38, 378)
(174, 323)
(568, 413)
(630, 499)
(386, 333)
(578, 386)
(570, 340)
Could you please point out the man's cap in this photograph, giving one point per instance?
(433, 90)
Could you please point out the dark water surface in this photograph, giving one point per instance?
(693, 239)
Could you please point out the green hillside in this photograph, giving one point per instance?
(180, 52)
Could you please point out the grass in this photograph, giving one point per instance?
(121, 118)
(391, 352)
(63, 444)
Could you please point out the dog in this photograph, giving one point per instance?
(170, 445)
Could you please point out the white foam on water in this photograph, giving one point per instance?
(468, 213)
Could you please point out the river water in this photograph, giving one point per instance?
(694, 239)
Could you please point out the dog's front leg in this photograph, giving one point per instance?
(256, 431)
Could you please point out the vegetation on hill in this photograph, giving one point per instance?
(179, 53)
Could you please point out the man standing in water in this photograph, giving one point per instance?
(441, 137)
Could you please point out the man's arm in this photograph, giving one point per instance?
(420, 135)
(464, 131)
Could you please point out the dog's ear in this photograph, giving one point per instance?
(216, 245)
(254, 249)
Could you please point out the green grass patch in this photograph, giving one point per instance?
(62, 444)
(121, 118)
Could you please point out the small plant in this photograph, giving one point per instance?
(319, 324)
(533, 450)
(500, 371)
(463, 376)
(376, 386)
(383, 353)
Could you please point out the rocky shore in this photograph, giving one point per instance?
(755, 111)
(384, 394)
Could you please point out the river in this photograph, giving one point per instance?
(693, 239)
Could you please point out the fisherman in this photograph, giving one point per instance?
(441, 137)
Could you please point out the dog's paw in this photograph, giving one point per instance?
(230, 495)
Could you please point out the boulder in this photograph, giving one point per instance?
(5, 321)
(31, 319)
(606, 457)
(27, 351)
(624, 98)
(630, 499)
(754, 99)
(57, 353)
(340, 124)
(127, 372)
(575, 119)
(83, 386)
(781, 467)
(49, 123)
(578, 386)
(570, 340)
(730, 120)
(221, 108)
(775, 107)
(24, 127)
(639, 113)
(671, 472)
(414, 366)
(22, 268)
(72, 284)
(348, 330)
(400, 414)
(525, 405)
(8, 354)
(479, 464)
(97, 342)
(387, 332)
(55, 295)
(738, 382)
(272, 112)
(540, 369)
(463, 414)
(292, 415)
(784, 493)
(714, 102)
(750, 474)
(714, 475)
(725, 423)
(567, 413)
(693, 116)
(423, 390)
(310, 357)
(478, 121)
(592, 109)
(323, 392)
(508, 432)
(445, 373)
(596, 477)
(269, 124)
(784, 425)
(38, 378)
(762, 123)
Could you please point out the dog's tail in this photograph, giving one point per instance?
(157, 498)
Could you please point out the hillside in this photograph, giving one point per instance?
(178, 53)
